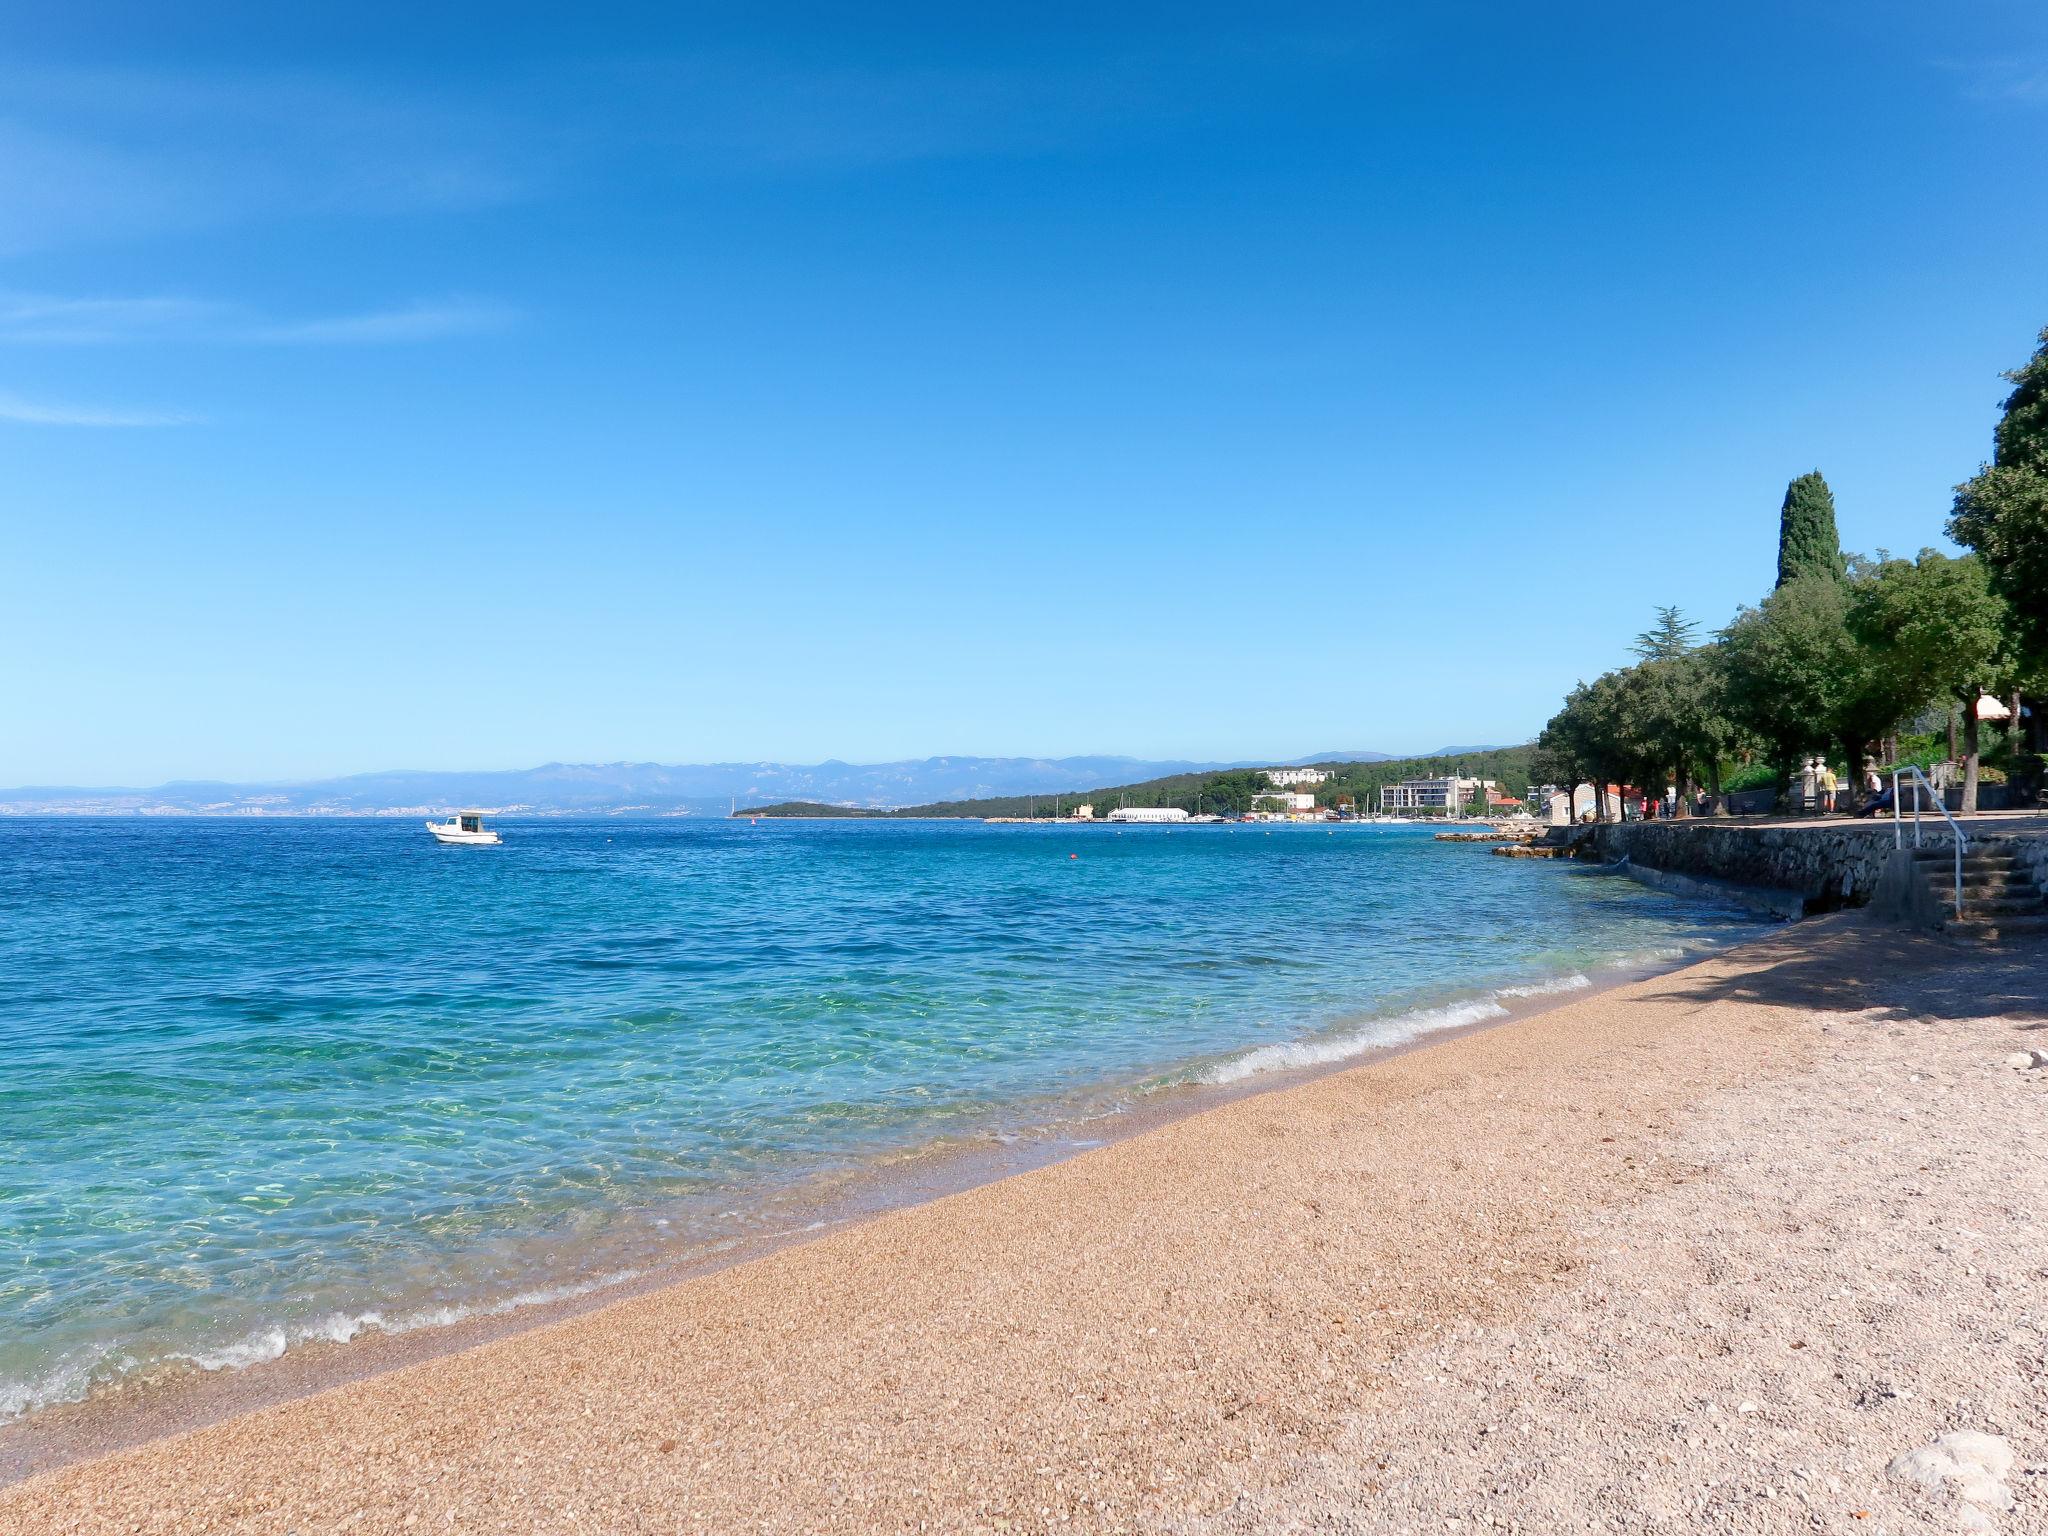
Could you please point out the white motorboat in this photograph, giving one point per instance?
(465, 827)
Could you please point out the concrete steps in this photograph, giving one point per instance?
(2000, 898)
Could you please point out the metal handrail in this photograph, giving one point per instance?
(1898, 828)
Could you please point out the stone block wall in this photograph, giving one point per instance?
(1831, 864)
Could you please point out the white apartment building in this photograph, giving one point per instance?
(1291, 802)
(1286, 778)
(1434, 794)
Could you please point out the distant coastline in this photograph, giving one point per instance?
(947, 786)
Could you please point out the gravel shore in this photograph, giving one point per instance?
(1712, 1250)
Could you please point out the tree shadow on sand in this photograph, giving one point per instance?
(1861, 965)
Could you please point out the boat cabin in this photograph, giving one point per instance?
(471, 821)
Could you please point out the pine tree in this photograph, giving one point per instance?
(1670, 636)
(1807, 542)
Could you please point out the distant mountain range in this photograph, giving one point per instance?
(645, 789)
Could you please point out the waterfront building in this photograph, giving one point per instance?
(1435, 794)
(1287, 802)
(1084, 812)
(1550, 803)
(1152, 813)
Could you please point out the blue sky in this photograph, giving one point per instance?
(471, 386)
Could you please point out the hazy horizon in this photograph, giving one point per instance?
(1345, 754)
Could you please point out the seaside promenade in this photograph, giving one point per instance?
(1709, 1250)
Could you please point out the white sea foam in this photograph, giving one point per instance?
(1334, 1048)
(68, 1381)
(74, 1379)
(1572, 983)
(1647, 957)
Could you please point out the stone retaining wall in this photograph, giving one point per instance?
(1832, 864)
(1829, 864)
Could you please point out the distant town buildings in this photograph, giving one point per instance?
(1147, 813)
(1288, 802)
(1284, 778)
(1550, 803)
(1435, 794)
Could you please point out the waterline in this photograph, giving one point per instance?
(290, 1087)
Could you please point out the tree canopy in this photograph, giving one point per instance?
(1934, 626)
(2001, 512)
(1793, 666)
(1843, 651)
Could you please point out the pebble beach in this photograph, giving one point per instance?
(1726, 1248)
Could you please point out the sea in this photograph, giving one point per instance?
(267, 1083)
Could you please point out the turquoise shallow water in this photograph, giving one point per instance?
(263, 1082)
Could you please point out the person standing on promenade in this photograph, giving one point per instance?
(1828, 785)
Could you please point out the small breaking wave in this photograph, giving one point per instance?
(1572, 983)
(1334, 1048)
(1643, 957)
(75, 1379)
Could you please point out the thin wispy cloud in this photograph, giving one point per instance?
(89, 154)
(2011, 80)
(727, 114)
(53, 319)
(127, 153)
(48, 413)
(57, 320)
(414, 322)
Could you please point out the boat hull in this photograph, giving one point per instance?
(460, 838)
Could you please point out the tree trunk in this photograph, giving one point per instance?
(1952, 731)
(1970, 730)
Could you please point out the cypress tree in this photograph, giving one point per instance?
(1807, 542)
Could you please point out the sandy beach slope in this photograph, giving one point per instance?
(1709, 1250)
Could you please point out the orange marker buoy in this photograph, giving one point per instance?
(1073, 855)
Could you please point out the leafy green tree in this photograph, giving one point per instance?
(1598, 721)
(1563, 749)
(1935, 628)
(1671, 635)
(1678, 720)
(1793, 669)
(1552, 762)
(2002, 511)
(1807, 542)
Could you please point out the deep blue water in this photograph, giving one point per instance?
(269, 1081)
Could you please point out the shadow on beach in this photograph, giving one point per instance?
(1896, 974)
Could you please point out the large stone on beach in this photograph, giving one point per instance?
(1965, 1462)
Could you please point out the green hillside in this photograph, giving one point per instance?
(1227, 793)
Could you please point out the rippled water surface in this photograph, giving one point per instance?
(269, 1081)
